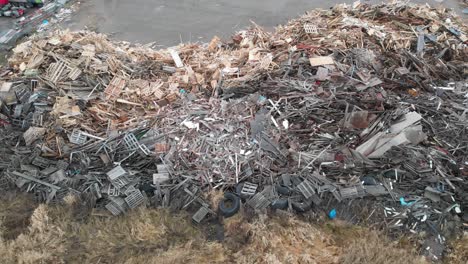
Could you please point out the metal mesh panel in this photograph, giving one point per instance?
(249, 189)
(131, 143)
(259, 202)
(116, 206)
(306, 188)
(77, 137)
(310, 29)
(41, 162)
(116, 173)
(200, 214)
(18, 110)
(135, 199)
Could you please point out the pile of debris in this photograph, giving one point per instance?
(9, 10)
(357, 101)
(32, 22)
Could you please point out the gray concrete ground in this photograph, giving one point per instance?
(7, 23)
(168, 22)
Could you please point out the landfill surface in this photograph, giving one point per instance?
(172, 22)
(357, 112)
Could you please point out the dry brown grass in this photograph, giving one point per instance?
(15, 213)
(373, 247)
(362, 245)
(459, 252)
(280, 239)
(214, 197)
(56, 235)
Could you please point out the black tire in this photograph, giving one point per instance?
(368, 180)
(148, 189)
(281, 189)
(229, 210)
(302, 206)
(280, 204)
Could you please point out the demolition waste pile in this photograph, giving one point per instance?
(343, 110)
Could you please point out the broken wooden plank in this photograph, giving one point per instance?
(115, 87)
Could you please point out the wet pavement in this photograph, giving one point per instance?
(169, 22)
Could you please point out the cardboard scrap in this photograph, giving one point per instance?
(6, 86)
(33, 134)
(319, 61)
(401, 133)
(322, 74)
(371, 83)
(89, 51)
(175, 56)
(214, 43)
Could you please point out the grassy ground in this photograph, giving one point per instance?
(33, 233)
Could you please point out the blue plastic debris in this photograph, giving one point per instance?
(431, 37)
(332, 214)
(261, 99)
(404, 203)
(45, 22)
(454, 31)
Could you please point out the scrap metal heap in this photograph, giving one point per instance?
(349, 104)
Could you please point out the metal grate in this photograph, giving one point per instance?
(131, 143)
(23, 95)
(4, 183)
(306, 188)
(112, 191)
(96, 191)
(37, 119)
(144, 149)
(62, 165)
(120, 182)
(315, 181)
(129, 190)
(375, 190)
(249, 189)
(116, 173)
(77, 137)
(113, 209)
(310, 29)
(18, 110)
(352, 192)
(135, 199)
(160, 178)
(325, 188)
(258, 202)
(286, 178)
(74, 74)
(337, 195)
(349, 192)
(162, 168)
(34, 84)
(41, 162)
(200, 214)
(116, 206)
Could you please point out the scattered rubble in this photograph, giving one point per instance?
(356, 102)
(38, 20)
